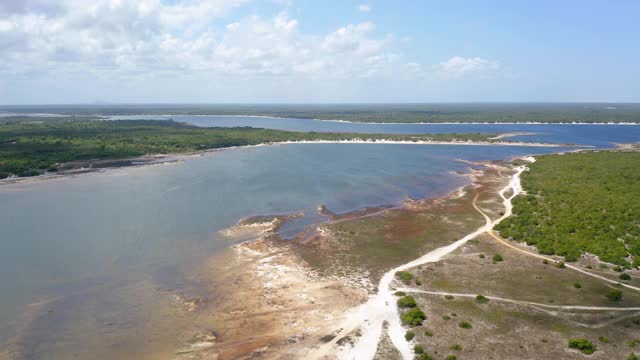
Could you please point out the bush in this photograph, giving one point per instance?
(450, 357)
(327, 338)
(584, 345)
(465, 325)
(418, 282)
(418, 349)
(480, 299)
(497, 258)
(615, 295)
(446, 317)
(409, 335)
(4, 174)
(624, 276)
(425, 356)
(448, 297)
(577, 285)
(560, 265)
(405, 276)
(456, 347)
(603, 339)
(545, 261)
(399, 293)
(633, 356)
(481, 256)
(428, 333)
(413, 317)
(407, 302)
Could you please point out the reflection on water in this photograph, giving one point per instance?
(99, 265)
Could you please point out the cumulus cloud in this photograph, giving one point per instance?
(147, 36)
(365, 8)
(458, 66)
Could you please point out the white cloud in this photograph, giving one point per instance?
(458, 66)
(365, 8)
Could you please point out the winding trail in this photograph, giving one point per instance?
(381, 308)
(522, 302)
(370, 317)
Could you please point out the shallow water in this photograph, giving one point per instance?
(595, 135)
(97, 251)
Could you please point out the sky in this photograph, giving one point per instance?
(330, 51)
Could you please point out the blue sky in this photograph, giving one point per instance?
(216, 51)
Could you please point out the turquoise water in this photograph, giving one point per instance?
(82, 243)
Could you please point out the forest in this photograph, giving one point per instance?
(29, 148)
(578, 203)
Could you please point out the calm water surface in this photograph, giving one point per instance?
(82, 258)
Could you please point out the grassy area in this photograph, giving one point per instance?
(582, 202)
(30, 148)
(401, 113)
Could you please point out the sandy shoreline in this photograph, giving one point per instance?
(159, 159)
(384, 123)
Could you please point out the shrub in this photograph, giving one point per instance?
(405, 276)
(617, 269)
(456, 347)
(603, 339)
(624, 276)
(425, 356)
(633, 356)
(545, 261)
(399, 293)
(560, 265)
(584, 345)
(409, 335)
(450, 357)
(327, 338)
(428, 333)
(4, 174)
(482, 256)
(446, 317)
(407, 302)
(577, 285)
(418, 349)
(413, 317)
(615, 295)
(497, 258)
(480, 299)
(465, 325)
(448, 297)
(418, 282)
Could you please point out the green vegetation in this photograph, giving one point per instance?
(405, 276)
(584, 345)
(561, 265)
(428, 333)
(456, 347)
(580, 203)
(449, 297)
(450, 357)
(413, 317)
(425, 356)
(625, 276)
(407, 302)
(399, 293)
(497, 258)
(481, 299)
(409, 335)
(615, 295)
(577, 285)
(405, 113)
(633, 356)
(418, 349)
(603, 339)
(31, 148)
(327, 338)
(465, 325)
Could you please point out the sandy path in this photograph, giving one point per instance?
(370, 317)
(522, 302)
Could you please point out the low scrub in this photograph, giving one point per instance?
(585, 346)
